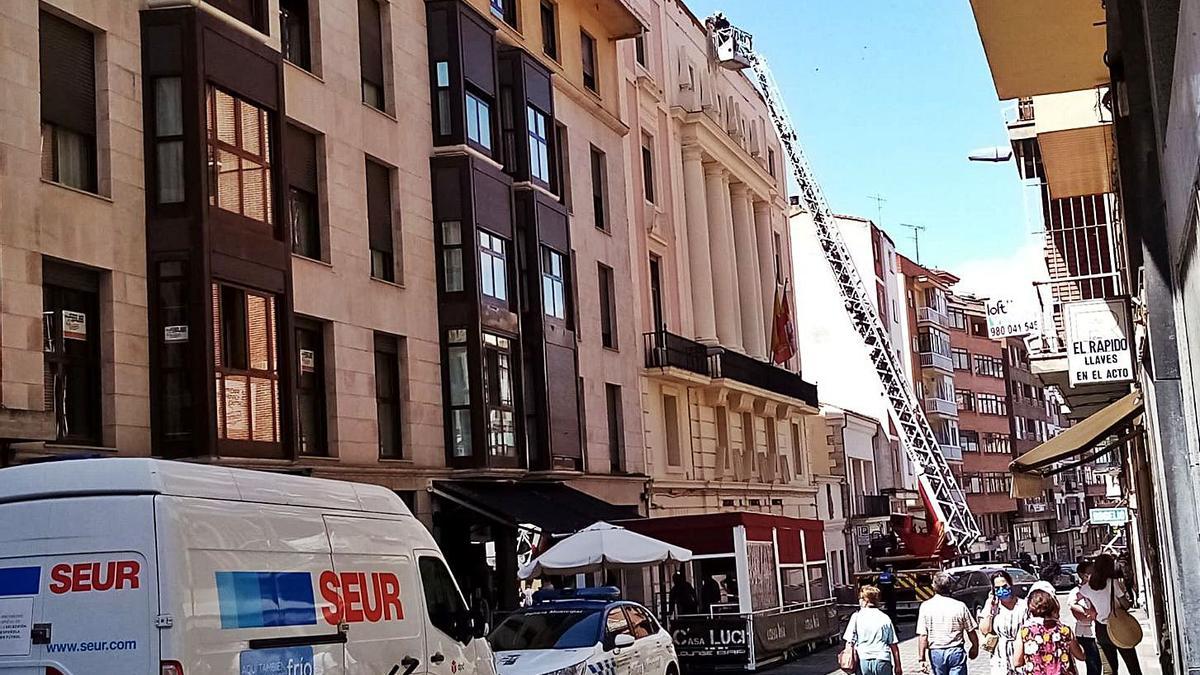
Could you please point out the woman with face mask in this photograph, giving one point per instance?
(1003, 615)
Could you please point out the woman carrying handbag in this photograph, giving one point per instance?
(872, 647)
(1116, 631)
(1003, 615)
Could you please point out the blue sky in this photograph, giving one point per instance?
(889, 97)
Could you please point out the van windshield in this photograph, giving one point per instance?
(547, 629)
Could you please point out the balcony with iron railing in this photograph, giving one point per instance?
(667, 350)
(930, 315)
(936, 360)
(871, 506)
(940, 406)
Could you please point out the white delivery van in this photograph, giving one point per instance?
(130, 566)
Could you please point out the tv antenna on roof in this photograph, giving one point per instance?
(879, 201)
(916, 236)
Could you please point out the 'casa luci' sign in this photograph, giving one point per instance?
(1098, 341)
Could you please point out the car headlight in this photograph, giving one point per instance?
(577, 669)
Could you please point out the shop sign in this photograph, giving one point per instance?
(1112, 516)
(1008, 318)
(1098, 341)
(710, 641)
(74, 325)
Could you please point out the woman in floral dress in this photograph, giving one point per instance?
(1044, 645)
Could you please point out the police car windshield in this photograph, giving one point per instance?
(548, 628)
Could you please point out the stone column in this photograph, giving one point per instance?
(704, 327)
(766, 262)
(749, 280)
(721, 257)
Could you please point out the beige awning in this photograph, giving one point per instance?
(1031, 469)
(1042, 46)
(1078, 161)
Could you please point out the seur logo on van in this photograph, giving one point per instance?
(272, 599)
(82, 577)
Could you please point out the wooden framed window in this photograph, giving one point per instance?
(67, 70)
(239, 157)
(245, 349)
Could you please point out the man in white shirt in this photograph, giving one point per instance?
(944, 625)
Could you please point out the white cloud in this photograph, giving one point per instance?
(1005, 276)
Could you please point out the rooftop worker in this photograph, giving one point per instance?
(944, 625)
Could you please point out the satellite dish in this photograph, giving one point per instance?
(999, 153)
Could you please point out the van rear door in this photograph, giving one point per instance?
(78, 587)
(374, 589)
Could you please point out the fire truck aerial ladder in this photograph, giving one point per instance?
(940, 490)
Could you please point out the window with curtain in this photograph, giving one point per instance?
(245, 353)
(239, 156)
(67, 71)
(168, 141)
(452, 256)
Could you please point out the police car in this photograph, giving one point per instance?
(588, 632)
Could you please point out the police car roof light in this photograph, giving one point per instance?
(600, 593)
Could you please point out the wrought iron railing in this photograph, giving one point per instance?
(668, 350)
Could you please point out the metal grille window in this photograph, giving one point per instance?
(554, 284)
(67, 70)
(379, 221)
(303, 206)
(245, 354)
(599, 188)
(493, 266)
(388, 396)
(239, 157)
(588, 56)
(479, 120)
(370, 52)
(293, 29)
(539, 144)
(498, 394)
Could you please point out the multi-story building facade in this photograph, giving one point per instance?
(984, 429)
(1035, 524)
(929, 358)
(333, 237)
(725, 426)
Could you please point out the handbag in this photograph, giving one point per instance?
(848, 657)
(1123, 630)
(990, 642)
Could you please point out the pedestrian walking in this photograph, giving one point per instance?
(1085, 619)
(1105, 592)
(1003, 615)
(871, 635)
(710, 593)
(944, 626)
(683, 596)
(1045, 646)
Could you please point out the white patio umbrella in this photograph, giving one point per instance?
(601, 547)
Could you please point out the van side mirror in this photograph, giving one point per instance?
(623, 640)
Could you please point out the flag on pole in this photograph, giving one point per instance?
(783, 333)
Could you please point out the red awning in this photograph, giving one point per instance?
(712, 533)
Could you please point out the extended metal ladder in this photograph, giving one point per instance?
(942, 493)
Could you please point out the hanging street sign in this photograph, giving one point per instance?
(1111, 516)
(1098, 341)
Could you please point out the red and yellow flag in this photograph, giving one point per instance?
(783, 333)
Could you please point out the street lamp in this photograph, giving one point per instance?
(999, 153)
